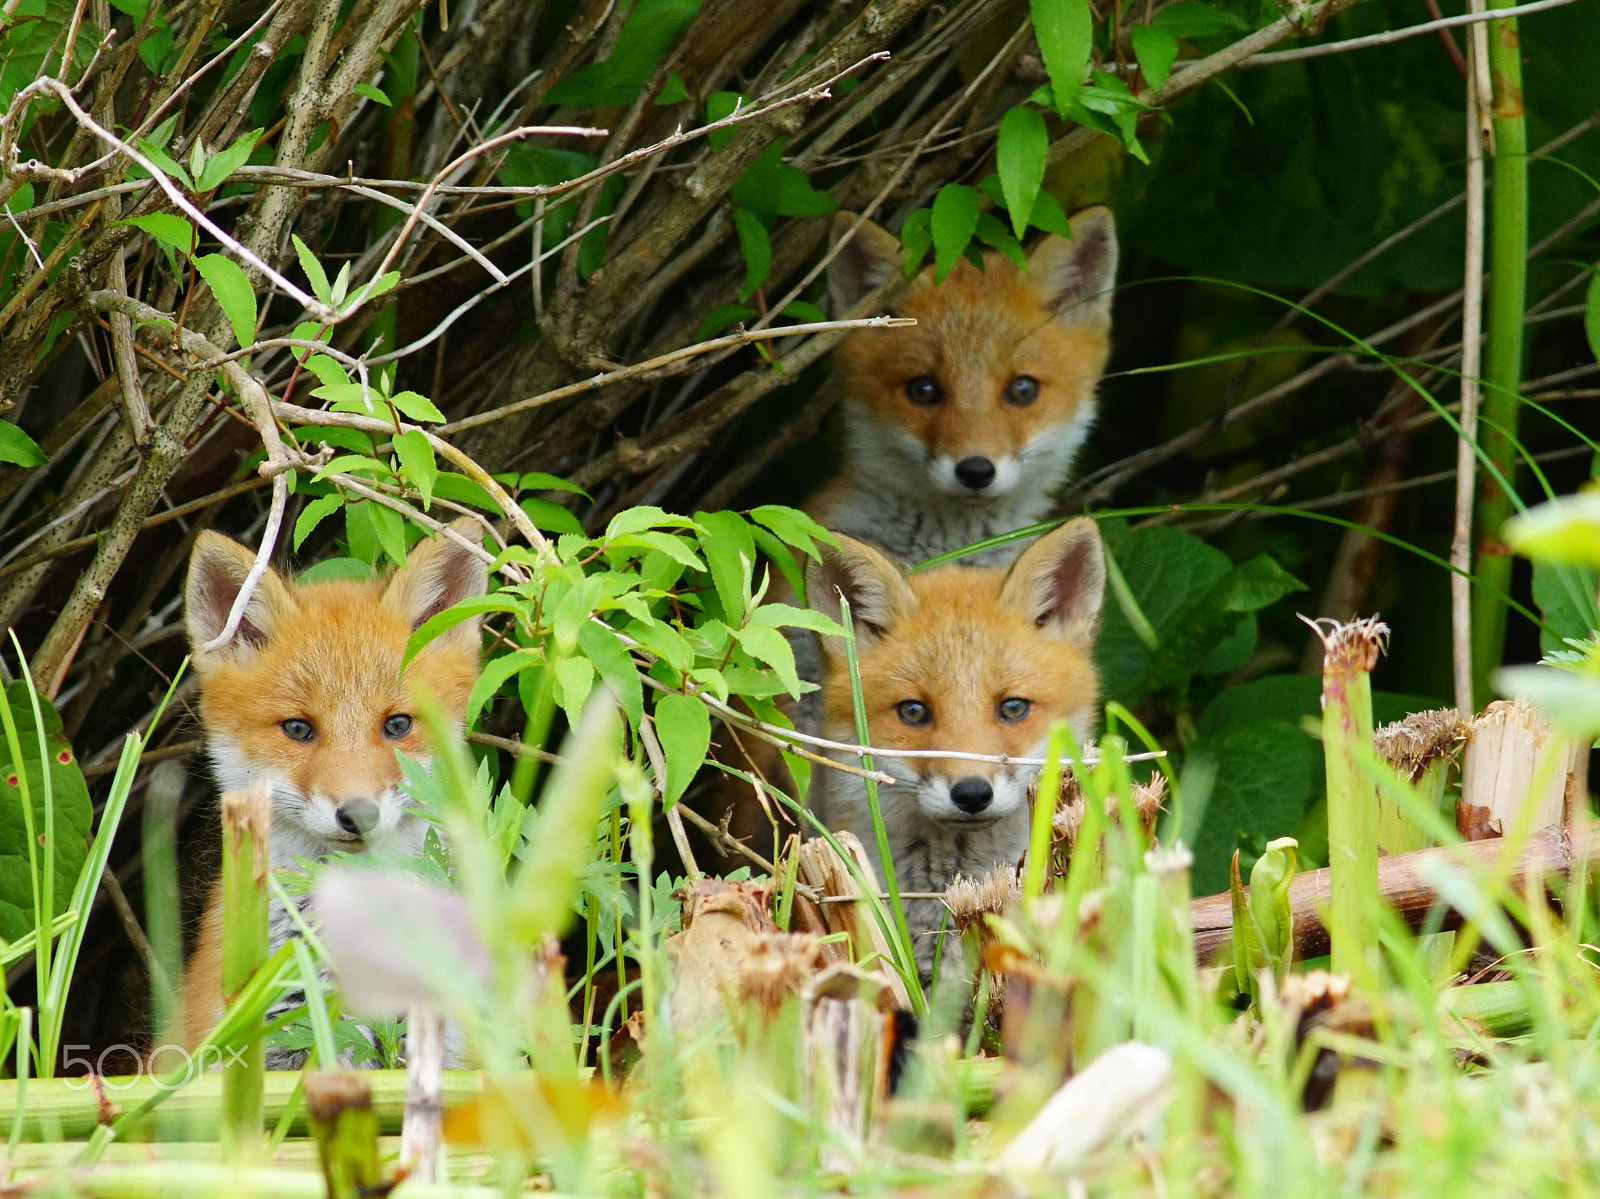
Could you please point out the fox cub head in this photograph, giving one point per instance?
(993, 389)
(309, 694)
(958, 658)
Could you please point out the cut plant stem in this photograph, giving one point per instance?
(346, 1130)
(246, 826)
(1349, 653)
(1508, 295)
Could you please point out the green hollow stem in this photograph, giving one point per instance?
(1508, 295)
(1349, 653)
(246, 826)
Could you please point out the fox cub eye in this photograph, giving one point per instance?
(1022, 391)
(923, 391)
(298, 730)
(1013, 709)
(397, 726)
(913, 711)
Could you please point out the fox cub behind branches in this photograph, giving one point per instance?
(309, 696)
(966, 425)
(976, 660)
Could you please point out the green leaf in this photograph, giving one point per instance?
(315, 275)
(720, 317)
(1591, 314)
(417, 463)
(615, 664)
(1566, 599)
(730, 553)
(416, 407)
(993, 233)
(335, 568)
(803, 312)
(755, 247)
(1193, 18)
(232, 288)
(574, 680)
(551, 517)
(18, 448)
(345, 464)
(313, 515)
(72, 812)
(390, 528)
(373, 93)
(163, 161)
(770, 646)
(954, 220)
(459, 489)
(1264, 774)
(225, 162)
(538, 480)
(1019, 156)
(684, 728)
(672, 92)
(166, 228)
(1065, 29)
(1156, 50)
(720, 105)
(787, 615)
(645, 516)
(916, 238)
(793, 527)
(664, 641)
(328, 372)
(495, 673)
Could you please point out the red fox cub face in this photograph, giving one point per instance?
(309, 694)
(992, 392)
(958, 658)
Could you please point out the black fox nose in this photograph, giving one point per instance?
(358, 817)
(976, 473)
(971, 795)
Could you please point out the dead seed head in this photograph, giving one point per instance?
(774, 966)
(1421, 739)
(970, 900)
(1350, 646)
(1168, 860)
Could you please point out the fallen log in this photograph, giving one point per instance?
(1403, 882)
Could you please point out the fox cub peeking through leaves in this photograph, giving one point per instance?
(977, 660)
(309, 696)
(965, 425)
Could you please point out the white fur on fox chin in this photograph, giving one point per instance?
(911, 505)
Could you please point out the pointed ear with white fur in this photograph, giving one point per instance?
(1059, 582)
(863, 263)
(439, 573)
(874, 585)
(218, 567)
(1078, 275)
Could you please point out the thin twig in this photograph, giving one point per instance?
(1476, 16)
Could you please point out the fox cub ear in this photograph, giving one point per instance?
(1078, 275)
(863, 263)
(871, 582)
(1059, 582)
(438, 573)
(218, 567)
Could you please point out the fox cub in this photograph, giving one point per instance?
(310, 697)
(965, 425)
(958, 658)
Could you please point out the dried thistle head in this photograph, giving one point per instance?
(1350, 646)
(1421, 739)
(1149, 797)
(970, 900)
(773, 967)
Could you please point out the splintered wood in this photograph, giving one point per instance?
(1514, 758)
